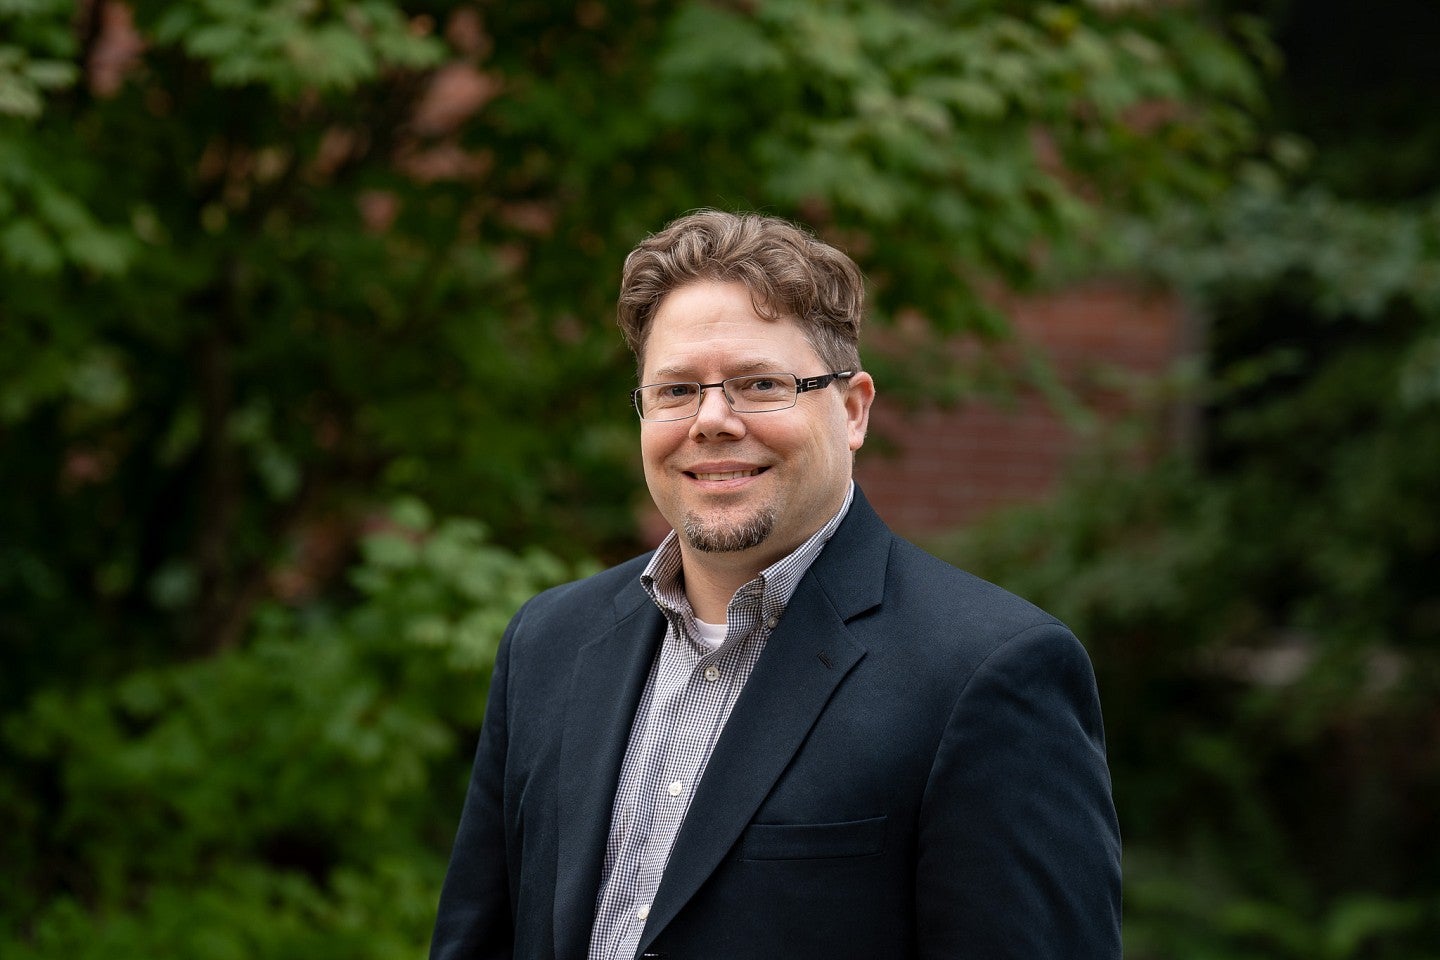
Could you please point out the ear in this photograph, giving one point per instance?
(858, 394)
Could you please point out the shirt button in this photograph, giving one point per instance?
(674, 789)
(643, 912)
(712, 673)
(772, 622)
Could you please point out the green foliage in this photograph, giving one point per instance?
(294, 48)
(1343, 260)
(277, 799)
(35, 56)
(919, 128)
(1196, 915)
(1263, 611)
(245, 912)
(45, 227)
(265, 264)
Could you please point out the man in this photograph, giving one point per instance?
(786, 732)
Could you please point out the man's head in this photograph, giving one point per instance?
(788, 272)
(717, 296)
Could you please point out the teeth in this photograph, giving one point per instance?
(731, 475)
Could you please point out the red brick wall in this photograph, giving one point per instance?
(951, 466)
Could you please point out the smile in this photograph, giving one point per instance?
(729, 474)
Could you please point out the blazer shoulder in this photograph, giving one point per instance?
(592, 600)
(870, 571)
(946, 593)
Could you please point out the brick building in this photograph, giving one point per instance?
(938, 469)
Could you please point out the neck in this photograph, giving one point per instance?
(711, 582)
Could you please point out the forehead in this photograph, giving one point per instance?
(710, 329)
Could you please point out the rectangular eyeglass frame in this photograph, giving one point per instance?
(802, 385)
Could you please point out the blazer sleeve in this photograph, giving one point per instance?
(1019, 847)
(474, 919)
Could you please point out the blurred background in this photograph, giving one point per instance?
(309, 377)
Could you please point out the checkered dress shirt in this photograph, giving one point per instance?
(687, 699)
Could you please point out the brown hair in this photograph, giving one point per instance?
(788, 272)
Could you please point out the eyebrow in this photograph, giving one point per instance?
(669, 374)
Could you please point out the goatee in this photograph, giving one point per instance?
(710, 537)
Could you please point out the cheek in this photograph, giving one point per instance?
(648, 456)
(834, 435)
(656, 443)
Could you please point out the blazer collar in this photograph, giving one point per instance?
(605, 688)
(851, 568)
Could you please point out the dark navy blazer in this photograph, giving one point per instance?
(916, 768)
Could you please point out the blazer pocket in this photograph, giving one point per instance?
(813, 841)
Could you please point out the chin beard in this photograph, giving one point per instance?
(710, 537)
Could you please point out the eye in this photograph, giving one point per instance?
(670, 395)
(763, 387)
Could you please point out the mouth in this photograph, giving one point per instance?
(726, 474)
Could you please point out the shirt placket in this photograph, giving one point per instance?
(691, 716)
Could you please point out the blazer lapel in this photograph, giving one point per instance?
(605, 689)
(805, 659)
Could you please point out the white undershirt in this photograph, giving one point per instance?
(710, 634)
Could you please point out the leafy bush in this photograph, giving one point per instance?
(292, 797)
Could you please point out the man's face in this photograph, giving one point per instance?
(748, 487)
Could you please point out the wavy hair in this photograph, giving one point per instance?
(788, 271)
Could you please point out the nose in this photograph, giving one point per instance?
(716, 419)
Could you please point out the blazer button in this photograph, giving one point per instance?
(654, 956)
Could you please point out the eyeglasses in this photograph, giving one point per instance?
(756, 393)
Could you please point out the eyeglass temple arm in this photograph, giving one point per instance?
(815, 383)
